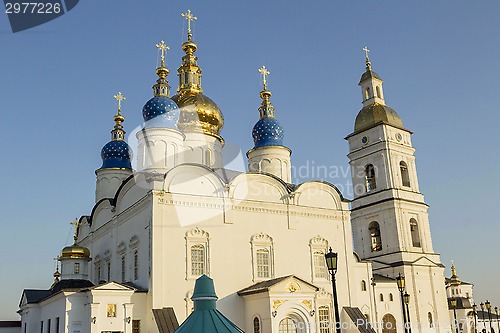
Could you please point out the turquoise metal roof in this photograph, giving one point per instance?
(206, 318)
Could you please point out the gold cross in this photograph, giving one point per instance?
(163, 48)
(120, 98)
(263, 70)
(77, 224)
(189, 17)
(366, 52)
(56, 259)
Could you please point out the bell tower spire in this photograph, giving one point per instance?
(161, 88)
(189, 73)
(371, 84)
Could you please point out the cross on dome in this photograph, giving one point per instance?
(120, 98)
(366, 52)
(163, 48)
(77, 224)
(189, 17)
(263, 70)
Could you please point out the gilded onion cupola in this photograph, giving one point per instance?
(198, 112)
(117, 154)
(374, 111)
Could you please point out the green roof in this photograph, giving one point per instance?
(206, 318)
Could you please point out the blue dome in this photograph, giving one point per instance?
(160, 111)
(116, 154)
(267, 132)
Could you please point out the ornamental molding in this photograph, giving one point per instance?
(318, 241)
(197, 233)
(307, 303)
(322, 293)
(121, 248)
(261, 238)
(134, 241)
(292, 286)
(277, 303)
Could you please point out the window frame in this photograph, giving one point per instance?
(262, 241)
(196, 237)
(318, 245)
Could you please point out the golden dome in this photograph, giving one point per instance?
(375, 114)
(75, 251)
(199, 114)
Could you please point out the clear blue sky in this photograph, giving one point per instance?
(439, 59)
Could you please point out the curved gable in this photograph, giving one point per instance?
(318, 194)
(193, 179)
(258, 187)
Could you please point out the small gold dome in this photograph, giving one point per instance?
(199, 114)
(375, 114)
(75, 251)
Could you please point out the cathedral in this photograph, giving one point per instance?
(180, 215)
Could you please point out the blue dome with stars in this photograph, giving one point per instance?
(267, 132)
(160, 111)
(116, 154)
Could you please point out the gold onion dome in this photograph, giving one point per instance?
(375, 114)
(198, 112)
(75, 251)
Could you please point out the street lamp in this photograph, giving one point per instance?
(488, 307)
(453, 303)
(474, 312)
(400, 280)
(331, 264)
(406, 298)
(482, 310)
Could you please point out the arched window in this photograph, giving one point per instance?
(263, 263)
(375, 236)
(367, 93)
(197, 259)
(371, 183)
(405, 177)
(324, 319)
(363, 285)
(381, 297)
(431, 322)
(136, 264)
(123, 268)
(391, 297)
(389, 324)
(319, 265)
(461, 326)
(379, 94)
(256, 325)
(97, 270)
(415, 235)
(287, 325)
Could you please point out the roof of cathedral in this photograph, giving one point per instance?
(264, 286)
(383, 279)
(160, 112)
(369, 74)
(206, 318)
(37, 295)
(462, 303)
(376, 114)
(75, 251)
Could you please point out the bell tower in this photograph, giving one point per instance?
(388, 214)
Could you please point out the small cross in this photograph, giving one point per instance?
(120, 98)
(163, 49)
(366, 52)
(263, 70)
(77, 224)
(189, 17)
(56, 259)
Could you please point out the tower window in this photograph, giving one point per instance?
(375, 236)
(371, 183)
(324, 319)
(415, 235)
(136, 264)
(367, 93)
(381, 297)
(405, 177)
(256, 325)
(391, 297)
(431, 322)
(197, 259)
(379, 94)
(123, 268)
(363, 285)
(76, 269)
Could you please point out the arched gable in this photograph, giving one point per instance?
(132, 190)
(258, 187)
(194, 179)
(318, 194)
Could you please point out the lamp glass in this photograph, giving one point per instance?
(453, 302)
(331, 260)
(406, 298)
(400, 280)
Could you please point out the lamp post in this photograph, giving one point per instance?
(482, 310)
(406, 298)
(453, 303)
(498, 323)
(488, 307)
(400, 280)
(331, 264)
(474, 312)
